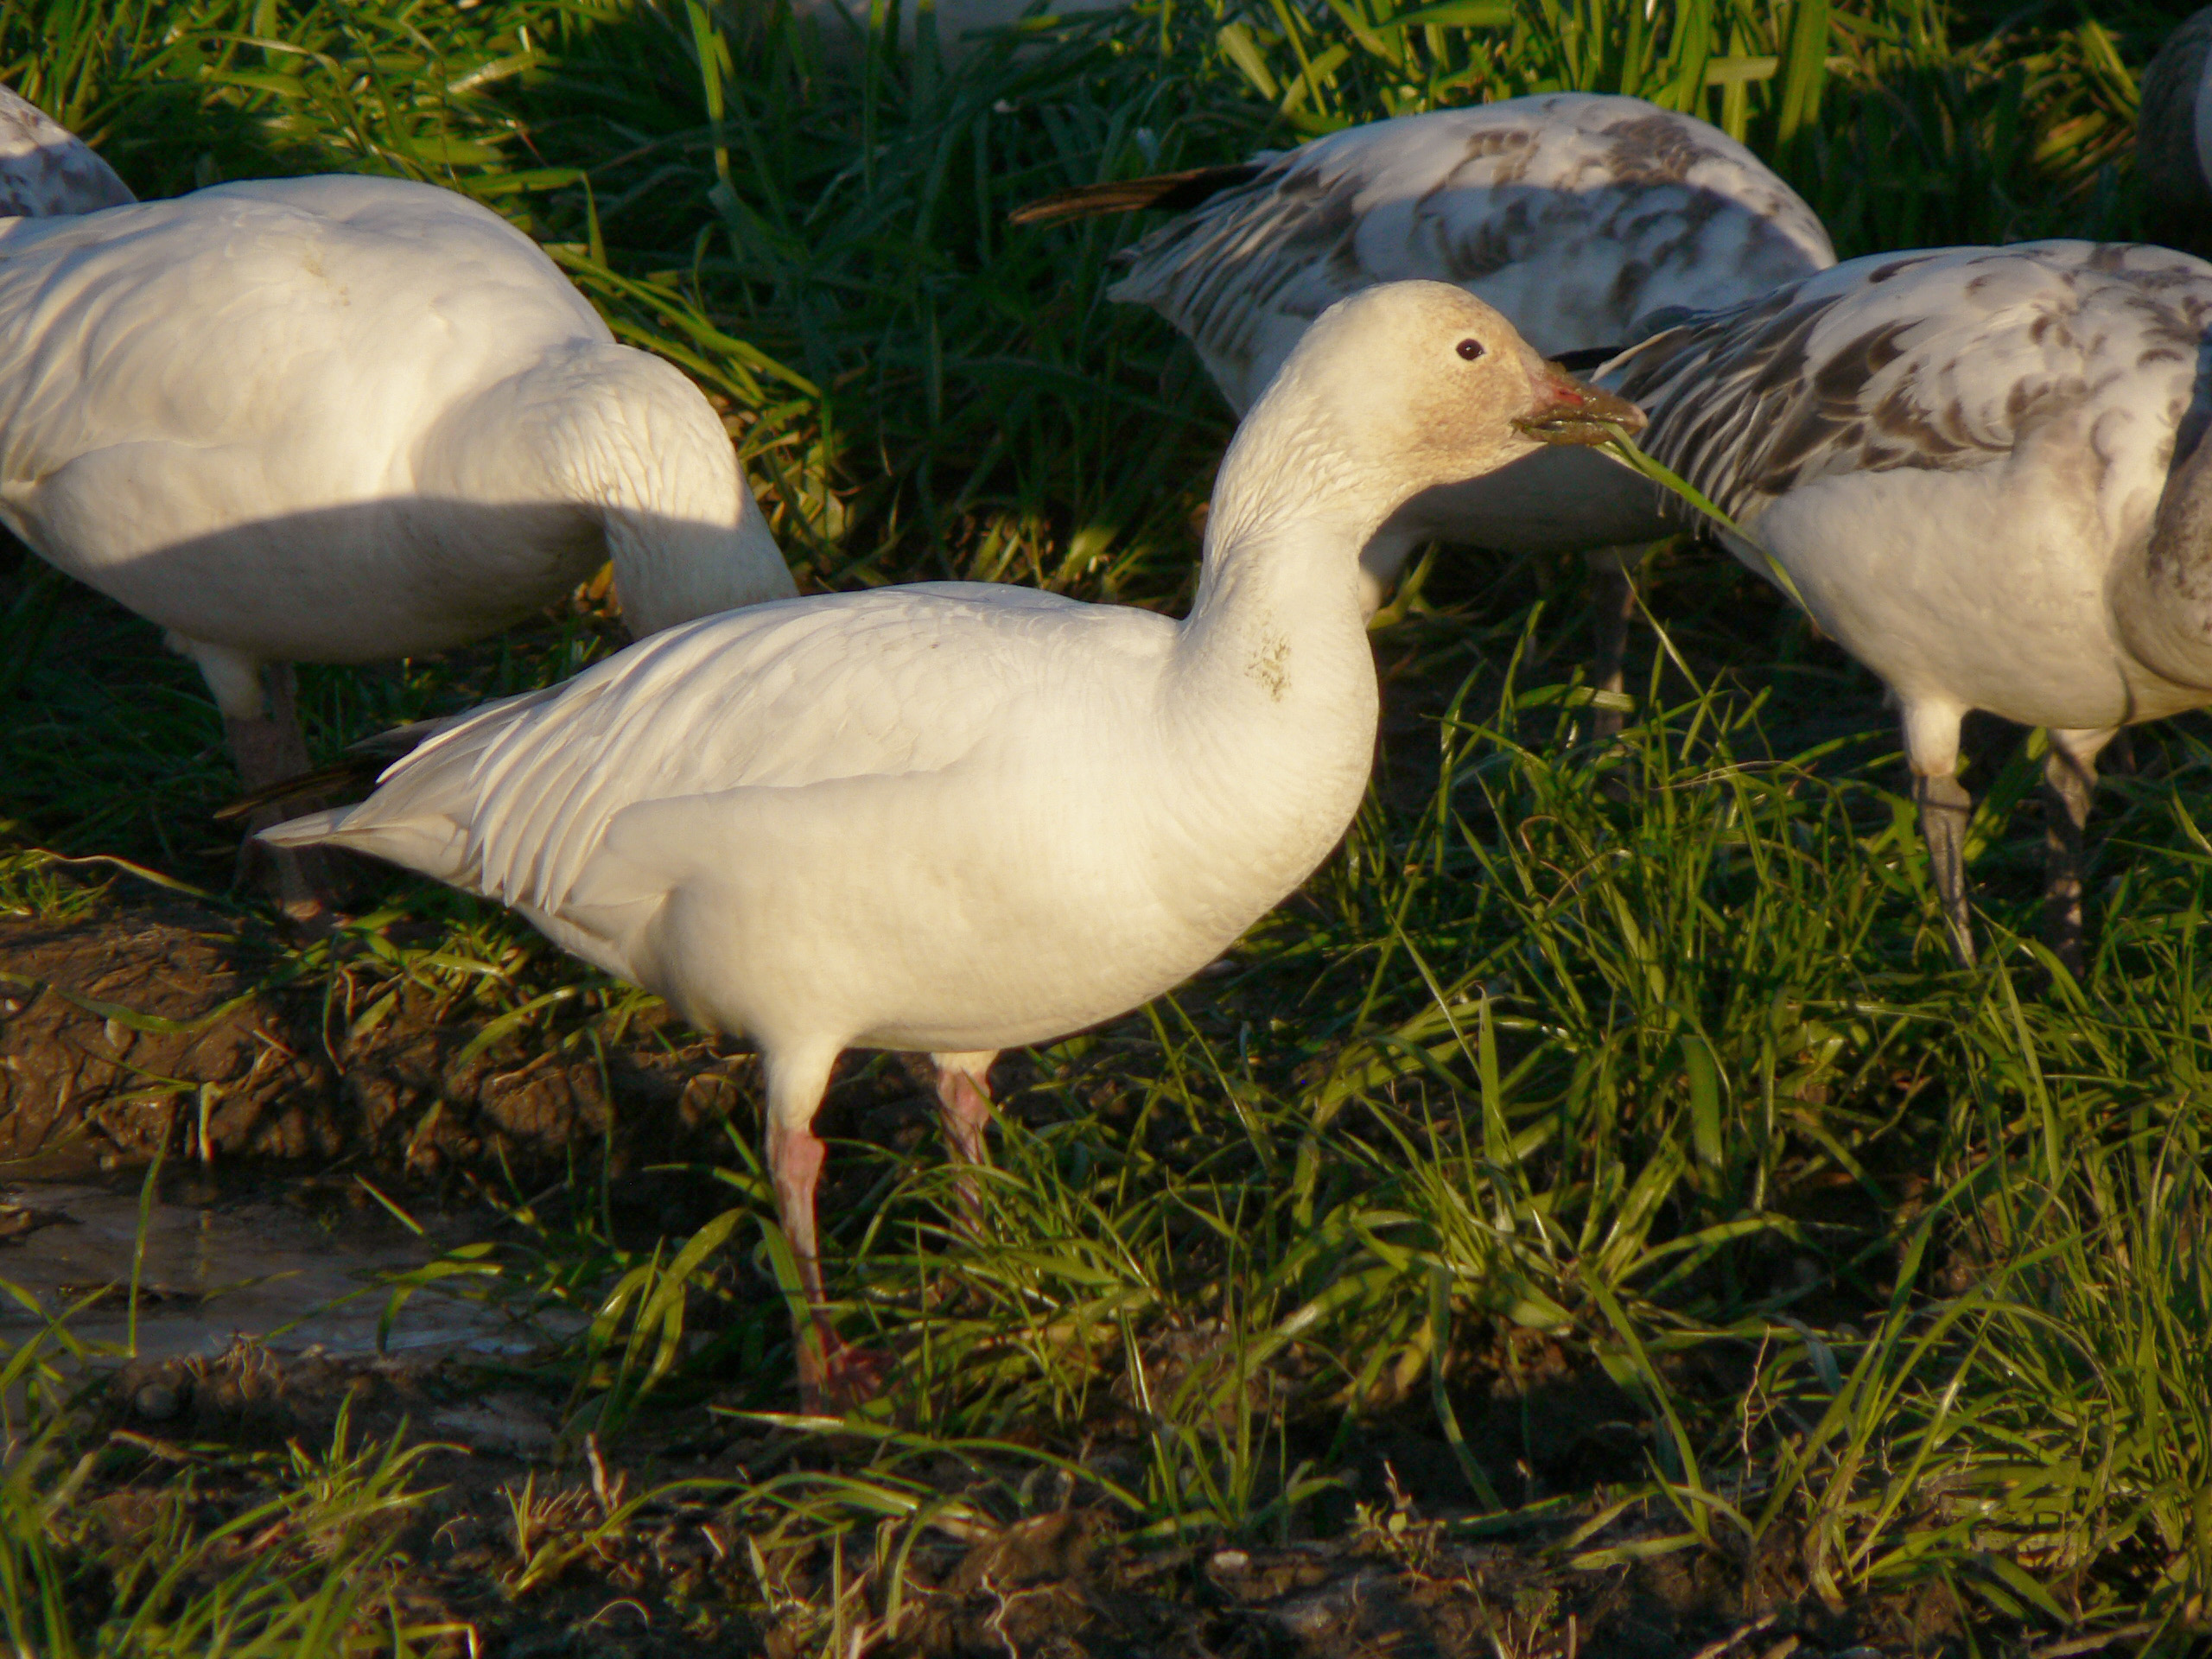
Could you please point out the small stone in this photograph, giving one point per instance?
(157, 1402)
(1230, 1560)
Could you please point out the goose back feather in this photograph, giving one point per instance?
(46, 169)
(1574, 213)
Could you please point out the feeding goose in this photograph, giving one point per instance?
(1980, 467)
(341, 420)
(954, 816)
(1574, 214)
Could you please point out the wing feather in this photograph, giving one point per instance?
(1572, 213)
(516, 801)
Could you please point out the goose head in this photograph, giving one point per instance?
(1400, 389)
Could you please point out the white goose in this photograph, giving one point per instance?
(1980, 467)
(956, 816)
(1574, 214)
(339, 420)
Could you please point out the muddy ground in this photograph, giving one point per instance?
(138, 1025)
(531, 1552)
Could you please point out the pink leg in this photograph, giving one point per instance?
(833, 1375)
(964, 1096)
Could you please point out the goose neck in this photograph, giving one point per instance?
(628, 443)
(1271, 700)
(2164, 601)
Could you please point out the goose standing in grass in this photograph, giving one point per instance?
(1982, 470)
(956, 816)
(1575, 214)
(343, 420)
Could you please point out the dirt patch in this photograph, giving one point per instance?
(137, 1025)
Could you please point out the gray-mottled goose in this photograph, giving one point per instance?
(1982, 469)
(2173, 125)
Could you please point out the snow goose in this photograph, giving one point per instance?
(956, 816)
(339, 420)
(1981, 469)
(1574, 214)
(2173, 126)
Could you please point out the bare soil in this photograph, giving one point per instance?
(121, 1028)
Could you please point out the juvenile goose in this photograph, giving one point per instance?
(1982, 469)
(956, 817)
(339, 420)
(1574, 214)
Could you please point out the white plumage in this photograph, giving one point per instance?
(1980, 467)
(956, 816)
(339, 419)
(1574, 214)
(345, 419)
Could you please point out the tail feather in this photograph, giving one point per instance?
(1173, 192)
(361, 765)
(309, 831)
(433, 845)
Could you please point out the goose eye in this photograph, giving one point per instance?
(1470, 349)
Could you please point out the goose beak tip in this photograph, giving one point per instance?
(1571, 412)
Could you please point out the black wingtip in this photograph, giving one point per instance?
(1173, 192)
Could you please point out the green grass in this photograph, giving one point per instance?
(1645, 1063)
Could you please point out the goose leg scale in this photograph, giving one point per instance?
(267, 747)
(1612, 605)
(1945, 810)
(964, 1095)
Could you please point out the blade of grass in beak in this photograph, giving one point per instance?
(1621, 447)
